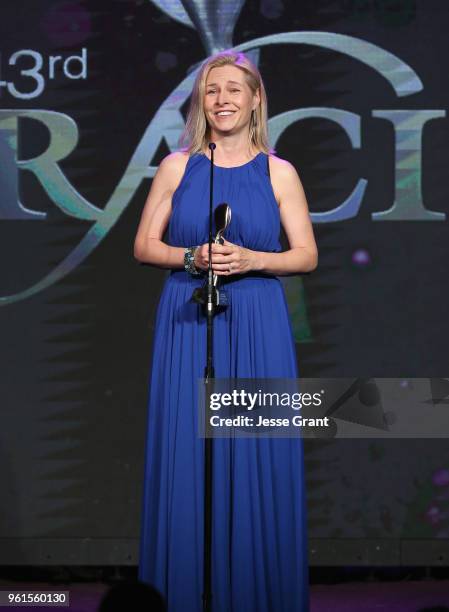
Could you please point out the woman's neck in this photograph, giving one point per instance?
(232, 148)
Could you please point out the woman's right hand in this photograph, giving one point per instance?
(201, 258)
(220, 255)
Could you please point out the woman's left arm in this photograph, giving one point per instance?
(294, 211)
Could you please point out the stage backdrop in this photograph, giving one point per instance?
(93, 94)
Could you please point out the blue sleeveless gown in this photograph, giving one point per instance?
(259, 556)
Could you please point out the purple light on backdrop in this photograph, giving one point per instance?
(361, 257)
(67, 24)
(433, 515)
(441, 478)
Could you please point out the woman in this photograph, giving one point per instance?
(259, 552)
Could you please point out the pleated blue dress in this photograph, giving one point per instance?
(259, 541)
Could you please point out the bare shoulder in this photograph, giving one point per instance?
(174, 162)
(284, 178)
(281, 169)
(173, 166)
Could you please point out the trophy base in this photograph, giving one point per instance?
(220, 298)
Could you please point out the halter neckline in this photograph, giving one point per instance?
(233, 167)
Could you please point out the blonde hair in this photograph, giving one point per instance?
(196, 134)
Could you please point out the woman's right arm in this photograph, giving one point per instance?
(148, 244)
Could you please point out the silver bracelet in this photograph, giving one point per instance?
(189, 261)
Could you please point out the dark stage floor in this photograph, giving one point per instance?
(367, 595)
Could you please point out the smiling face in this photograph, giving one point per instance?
(228, 100)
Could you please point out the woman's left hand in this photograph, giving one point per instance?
(229, 258)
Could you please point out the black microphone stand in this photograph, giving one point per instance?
(212, 301)
(209, 374)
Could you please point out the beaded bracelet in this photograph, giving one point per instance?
(189, 261)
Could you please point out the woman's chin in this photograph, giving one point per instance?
(225, 129)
